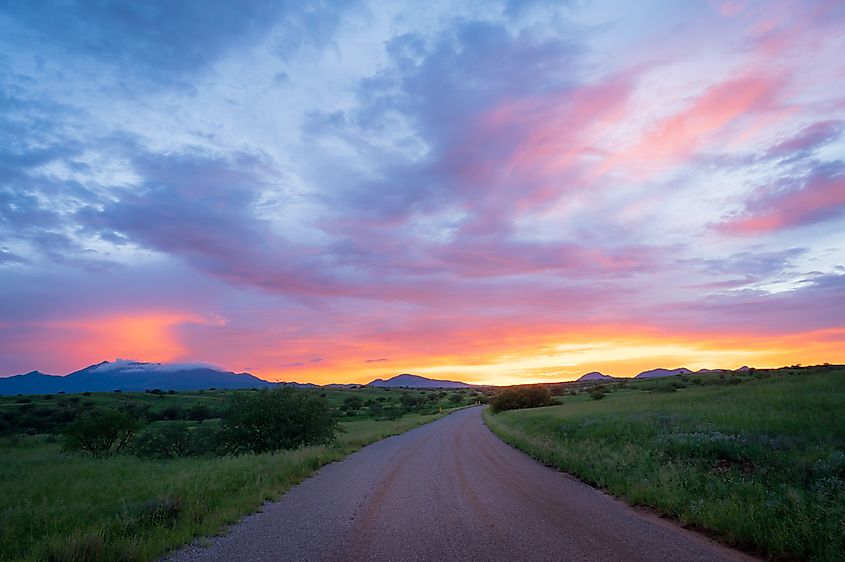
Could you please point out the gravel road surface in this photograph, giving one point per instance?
(450, 490)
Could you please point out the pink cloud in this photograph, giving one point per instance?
(822, 197)
(708, 118)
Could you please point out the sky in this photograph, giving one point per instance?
(496, 192)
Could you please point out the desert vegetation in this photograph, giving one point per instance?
(519, 397)
(128, 476)
(757, 458)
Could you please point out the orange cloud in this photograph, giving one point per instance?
(144, 336)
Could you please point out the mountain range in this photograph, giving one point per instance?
(130, 376)
(136, 376)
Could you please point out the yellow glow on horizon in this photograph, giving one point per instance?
(614, 354)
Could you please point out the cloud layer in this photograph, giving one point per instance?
(334, 192)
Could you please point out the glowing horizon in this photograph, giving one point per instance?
(499, 193)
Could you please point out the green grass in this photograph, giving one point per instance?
(757, 461)
(60, 506)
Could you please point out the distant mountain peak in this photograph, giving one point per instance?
(416, 381)
(595, 376)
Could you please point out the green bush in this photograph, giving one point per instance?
(100, 432)
(172, 440)
(281, 418)
(597, 393)
(199, 412)
(410, 402)
(352, 404)
(521, 397)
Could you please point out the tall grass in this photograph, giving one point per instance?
(760, 464)
(70, 507)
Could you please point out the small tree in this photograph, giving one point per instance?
(281, 418)
(100, 432)
(521, 397)
(410, 402)
(352, 403)
(375, 407)
(199, 412)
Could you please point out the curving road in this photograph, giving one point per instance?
(450, 490)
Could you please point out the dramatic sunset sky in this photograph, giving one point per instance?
(493, 192)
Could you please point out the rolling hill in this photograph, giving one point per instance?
(655, 373)
(596, 376)
(416, 381)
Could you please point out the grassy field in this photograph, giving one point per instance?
(56, 505)
(757, 459)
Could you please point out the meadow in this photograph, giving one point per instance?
(756, 459)
(59, 505)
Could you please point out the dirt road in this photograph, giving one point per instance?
(450, 490)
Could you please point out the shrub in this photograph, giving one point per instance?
(279, 418)
(160, 512)
(199, 412)
(392, 413)
(100, 432)
(352, 403)
(178, 439)
(521, 397)
(410, 402)
(172, 412)
(172, 440)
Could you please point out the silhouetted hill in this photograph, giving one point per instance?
(596, 376)
(415, 381)
(654, 373)
(130, 376)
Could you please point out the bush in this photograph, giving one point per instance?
(521, 397)
(171, 440)
(178, 439)
(352, 403)
(199, 412)
(100, 432)
(159, 512)
(279, 418)
(410, 402)
(172, 412)
(375, 407)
